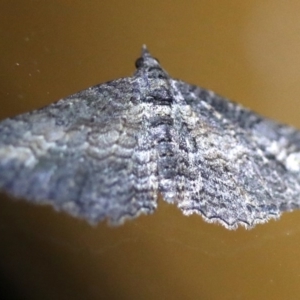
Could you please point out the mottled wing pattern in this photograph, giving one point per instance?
(275, 139)
(81, 155)
(107, 151)
(243, 181)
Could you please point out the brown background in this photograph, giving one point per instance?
(246, 50)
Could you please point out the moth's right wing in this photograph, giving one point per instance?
(241, 182)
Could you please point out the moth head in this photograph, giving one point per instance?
(150, 65)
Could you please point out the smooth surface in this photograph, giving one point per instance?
(247, 51)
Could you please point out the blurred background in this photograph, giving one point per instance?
(248, 51)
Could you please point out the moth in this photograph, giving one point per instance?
(107, 151)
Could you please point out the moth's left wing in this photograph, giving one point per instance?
(81, 155)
